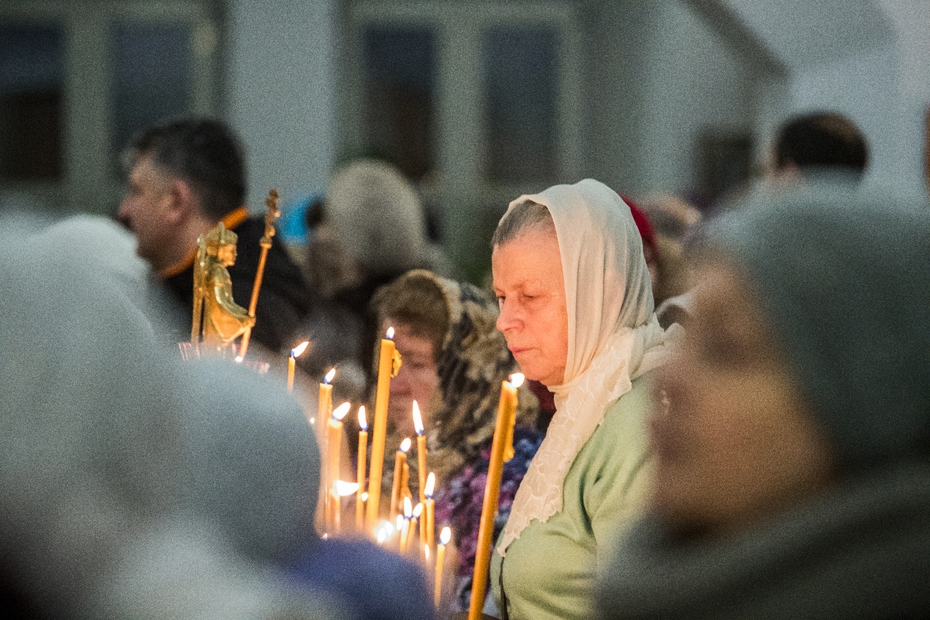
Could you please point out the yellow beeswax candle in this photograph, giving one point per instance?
(333, 452)
(400, 460)
(360, 469)
(506, 411)
(444, 537)
(421, 450)
(427, 524)
(388, 365)
(292, 363)
(325, 403)
(340, 489)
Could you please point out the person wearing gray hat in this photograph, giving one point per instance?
(793, 445)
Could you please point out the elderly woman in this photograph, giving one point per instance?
(454, 361)
(793, 465)
(577, 313)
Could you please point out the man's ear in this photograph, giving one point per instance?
(183, 202)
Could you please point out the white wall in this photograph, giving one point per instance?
(658, 77)
(865, 58)
(281, 92)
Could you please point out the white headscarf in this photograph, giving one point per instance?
(613, 334)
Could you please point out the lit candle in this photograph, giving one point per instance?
(388, 365)
(405, 528)
(325, 403)
(415, 517)
(384, 533)
(292, 363)
(333, 448)
(427, 527)
(444, 537)
(400, 459)
(340, 489)
(360, 470)
(506, 411)
(421, 450)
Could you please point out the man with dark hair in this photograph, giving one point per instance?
(186, 176)
(820, 142)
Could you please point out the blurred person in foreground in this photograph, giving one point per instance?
(185, 177)
(92, 460)
(792, 474)
(576, 311)
(454, 361)
(254, 476)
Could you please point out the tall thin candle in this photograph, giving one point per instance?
(333, 450)
(427, 525)
(325, 402)
(388, 364)
(292, 363)
(397, 492)
(340, 489)
(444, 537)
(360, 469)
(506, 411)
(421, 450)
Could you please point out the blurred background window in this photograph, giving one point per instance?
(151, 77)
(400, 82)
(32, 76)
(520, 95)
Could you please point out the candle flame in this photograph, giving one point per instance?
(365, 496)
(417, 419)
(430, 485)
(341, 411)
(362, 420)
(408, 508)
(343, 488)
(238, 359)
(445, 535)
(516, 379)
(417, 510)
(329, 376)
(400, 523)
(299, 349)
(426, 551)
(405, 444)
(390, 333)
(384, 532)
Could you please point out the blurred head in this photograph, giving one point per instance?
(253, 465)
(175, 167)
(377, 217)
(821, 140)
(807, 360)
(569, 272)
(417, 310)
(739, 441)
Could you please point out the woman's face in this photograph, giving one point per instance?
(734, 441)
(415, 381)
(533, 317)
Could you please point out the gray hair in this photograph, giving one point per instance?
(523, 218)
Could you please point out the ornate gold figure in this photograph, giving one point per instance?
(218, 319)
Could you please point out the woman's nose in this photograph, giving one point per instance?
(506, 319)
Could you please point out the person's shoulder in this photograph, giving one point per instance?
(624, 421)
